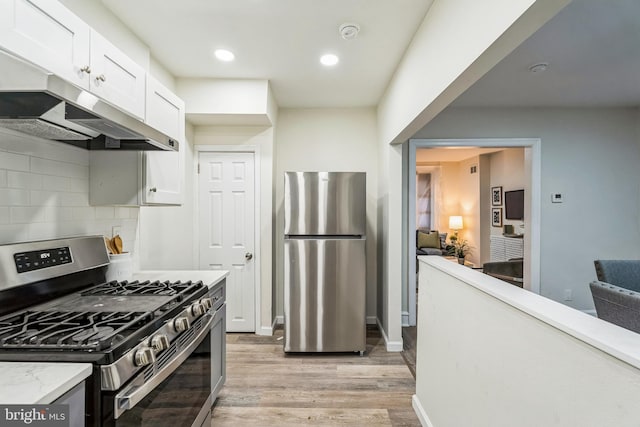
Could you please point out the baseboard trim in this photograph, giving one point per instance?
(405, 319)
(372, 320)
(420, 412)
(279, 320)
(267, 330)
(392, 346)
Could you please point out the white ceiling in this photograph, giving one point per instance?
(280, 40)
(593, 51)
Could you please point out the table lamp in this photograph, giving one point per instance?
(455, 223)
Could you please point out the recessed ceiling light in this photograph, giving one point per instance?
(329, 60)
(539, 67)
(224, 55)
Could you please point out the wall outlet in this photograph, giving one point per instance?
(116, 230)
(568, 295)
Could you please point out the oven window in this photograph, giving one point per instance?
(178, 400)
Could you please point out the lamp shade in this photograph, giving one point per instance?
(455, 222)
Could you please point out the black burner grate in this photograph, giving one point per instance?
(147, 287)
(69, 330)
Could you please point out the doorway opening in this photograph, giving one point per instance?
(227, 232)
(531, 230)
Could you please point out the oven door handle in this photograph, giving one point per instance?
(133, 394)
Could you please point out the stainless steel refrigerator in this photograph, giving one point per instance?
(324, 261)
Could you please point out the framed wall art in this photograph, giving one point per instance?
(496, 196)
(496, 217)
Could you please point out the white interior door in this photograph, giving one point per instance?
(226, 200)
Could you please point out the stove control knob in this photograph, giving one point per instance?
(159, 342)
(181, 324)
(144, 357)
(206, 303)
(197, 309)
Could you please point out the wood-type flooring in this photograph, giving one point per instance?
(265, 387)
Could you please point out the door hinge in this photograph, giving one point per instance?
(198, 167)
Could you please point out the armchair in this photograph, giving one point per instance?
(624, 273)
(616, 305)
(510, 271)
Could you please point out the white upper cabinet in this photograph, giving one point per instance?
(135, 178)
(115, 77)
(164, 110)
(49, 35)
(162, 178)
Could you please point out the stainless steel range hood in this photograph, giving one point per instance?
(41, 104)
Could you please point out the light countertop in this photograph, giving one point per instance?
(39, 383)
(208, 277)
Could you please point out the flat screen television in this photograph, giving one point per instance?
(514, 204)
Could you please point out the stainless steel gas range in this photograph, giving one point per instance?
(150, 342)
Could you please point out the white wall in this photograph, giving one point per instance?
(501, 356)
(591, 156)
(480, 34)
(227, 101)
(328, 140)
(44, 194)
(169, 233)
(166, 232)
(262, 137)
(507, 171)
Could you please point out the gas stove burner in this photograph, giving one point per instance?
(147, 287)
(69, 330)
(92, 335)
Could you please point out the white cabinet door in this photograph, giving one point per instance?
(164, 110)
(115, 77)
(46, 33)
(162, 178)
(135, 178)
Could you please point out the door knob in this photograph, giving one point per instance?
(248, 256)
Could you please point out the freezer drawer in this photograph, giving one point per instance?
(324, 293)
(325, 203)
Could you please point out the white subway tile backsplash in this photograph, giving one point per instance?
(122, 213)
(4, 215)
(24, 180)
(54, 167)
(20, 143)
(44, 194)
(14, 197)
(77, 185)
(59, 214)
(14, 162)
(84, 213)
(74, 199)
(28, 215)
(14, 233)
(55, 183)
(104, 212)
(44, 230)
(45, 198)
